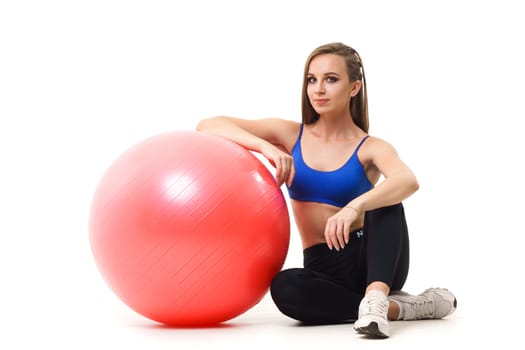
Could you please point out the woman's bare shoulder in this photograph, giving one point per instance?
(375, 141)
(376, 146)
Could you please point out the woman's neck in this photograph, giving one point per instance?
(331, 128)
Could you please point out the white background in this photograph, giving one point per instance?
(81, 81)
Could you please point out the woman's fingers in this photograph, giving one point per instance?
(278, 172)
(346, 233)
(337, 233)
(291, 175)
(340, 236)
(283, 163)
(332, 233)
(284, 169)
(328, 234)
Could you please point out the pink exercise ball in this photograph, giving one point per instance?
(188, 229)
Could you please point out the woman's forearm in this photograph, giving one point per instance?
(389, 192)
(221, 126)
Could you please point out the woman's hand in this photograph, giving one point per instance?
(283, 163)
(337, 230)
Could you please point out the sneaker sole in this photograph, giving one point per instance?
(372, 331)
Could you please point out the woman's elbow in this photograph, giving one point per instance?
(414, 184)
(205, 124)
(201, 125)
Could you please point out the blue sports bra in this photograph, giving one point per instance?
(337, 187)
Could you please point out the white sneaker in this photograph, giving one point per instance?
(372, 319)
(433, 303)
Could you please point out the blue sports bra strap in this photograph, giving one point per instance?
(301, 131)
(360, 143)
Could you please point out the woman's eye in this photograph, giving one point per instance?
(311, 80)
(331, 79)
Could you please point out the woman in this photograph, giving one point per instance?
(353, 230)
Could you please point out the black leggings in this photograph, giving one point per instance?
(331, 285)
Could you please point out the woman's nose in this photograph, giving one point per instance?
(320, 89)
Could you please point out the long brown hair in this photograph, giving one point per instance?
(354, 66)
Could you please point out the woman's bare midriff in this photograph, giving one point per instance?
(311, 217)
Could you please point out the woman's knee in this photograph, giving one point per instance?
(286, 291)
(386, 220)
(395, 210)
(282, 286)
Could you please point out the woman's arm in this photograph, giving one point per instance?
(399, 184)
(265, 136)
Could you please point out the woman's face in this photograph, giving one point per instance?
(329, 88)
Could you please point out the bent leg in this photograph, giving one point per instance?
(313, 297)
(387, 260)
(387, 248)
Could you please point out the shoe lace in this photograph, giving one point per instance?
(376, 306)
(424, 309)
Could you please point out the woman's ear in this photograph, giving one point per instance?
(356, 86)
